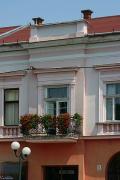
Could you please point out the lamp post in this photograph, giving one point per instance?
(25, 152)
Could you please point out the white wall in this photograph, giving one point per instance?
(58, 31)
(84, 82)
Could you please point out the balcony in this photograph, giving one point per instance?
(108, 128)
(10, 132)
(47, 128)
(51, 127)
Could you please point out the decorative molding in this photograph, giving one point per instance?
(55, 70)
(108, 67)
(12, 74)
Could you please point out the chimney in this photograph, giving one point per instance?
(87, 14)
(38, 21)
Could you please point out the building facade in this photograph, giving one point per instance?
(57, 68)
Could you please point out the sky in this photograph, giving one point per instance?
(21, 12)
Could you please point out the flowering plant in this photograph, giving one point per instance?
(29, 121)
(63, 121)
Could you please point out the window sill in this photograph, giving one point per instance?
(109, 122)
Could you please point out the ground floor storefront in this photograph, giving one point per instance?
(83, 159)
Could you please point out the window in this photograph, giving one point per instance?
(56, 100)
(113, 101)
(9, 170)
(11, 106)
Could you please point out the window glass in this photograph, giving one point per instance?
(62, 107)
(60, 92)
(57, 100)
(51, 108)
(117, 108)
(109, 109)
(10, 171)
(12, 114)
(118, 88)
(113, 102)
(111, 89)
(11, 107)
(11, 95)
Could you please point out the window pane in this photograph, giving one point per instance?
(109, 109)
(118, 88)
(51, 108)
(60, 92)
(11, 95)
(11, 113)
(9, 171)
(111, 90)
(62, 107)
(117, 108)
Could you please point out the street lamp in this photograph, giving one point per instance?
(26, 151)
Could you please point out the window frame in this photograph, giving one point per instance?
(10, 102)
(57, 100)
(113, 103)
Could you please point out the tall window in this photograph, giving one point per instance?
(11, 106)
(56, 100)
(113, 101)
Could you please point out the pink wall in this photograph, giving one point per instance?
(87, 154)
(99, 152)
(55, 154)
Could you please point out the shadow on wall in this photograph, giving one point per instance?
(98, 155)
(57, 153)
(92, 101)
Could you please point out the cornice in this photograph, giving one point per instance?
(83, 41)
(108, 67)
(12, 74)
(54, 70)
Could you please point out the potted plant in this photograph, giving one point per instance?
(29, 122)
(63, 121)
(49, 123)
(77, 118)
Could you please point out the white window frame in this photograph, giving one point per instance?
(57, 100)
(105, 78)
(113, 103)
(13, 84)
(9, 102)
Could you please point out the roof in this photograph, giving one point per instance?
(104, 24)
(21, 35)
(95, 25)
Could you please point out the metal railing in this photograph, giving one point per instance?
(73, 129)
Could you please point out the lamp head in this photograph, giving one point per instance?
(26, 151)
(15, 145)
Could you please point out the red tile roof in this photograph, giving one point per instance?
(104, 24)
(95, 25)
(21, 35)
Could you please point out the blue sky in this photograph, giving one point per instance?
(20, 12)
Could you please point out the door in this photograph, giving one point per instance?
(113, 171)
(61, 173)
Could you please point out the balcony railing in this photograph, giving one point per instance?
(47, 125)
(10, 132)
(71, 131)
(108, 128)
